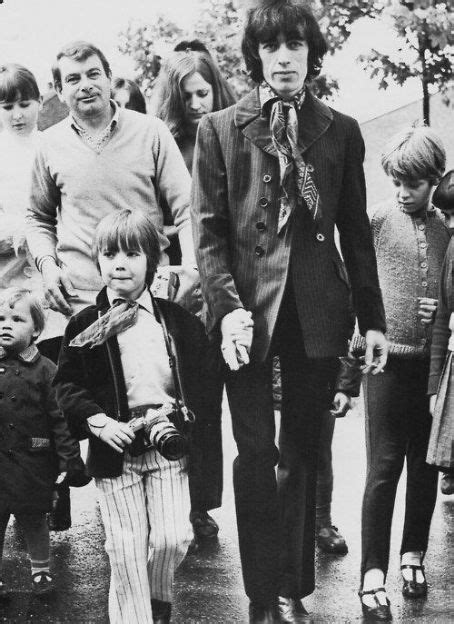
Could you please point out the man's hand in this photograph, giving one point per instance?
(114, 433)
(341, 404)
(426, 309)
(57, 286)
(433, 400)
(376, 352)
(237, 332)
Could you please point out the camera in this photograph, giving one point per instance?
(164, 428)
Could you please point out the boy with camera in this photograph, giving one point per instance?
(130, 369)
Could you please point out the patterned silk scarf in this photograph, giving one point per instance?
(284, 134)
(121, 316)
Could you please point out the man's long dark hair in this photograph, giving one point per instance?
(293, 19)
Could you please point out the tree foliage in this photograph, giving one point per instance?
(219, 25)
(425, 29)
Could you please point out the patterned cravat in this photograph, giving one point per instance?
(121, 316)
(284, 134)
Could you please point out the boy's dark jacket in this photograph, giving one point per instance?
(91, 381)
(35, 444)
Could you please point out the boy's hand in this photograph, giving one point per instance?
(114, 433)
(433, 400)
(426, 309)
(376, 352)
(341, 404)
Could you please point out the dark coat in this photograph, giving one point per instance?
(35, 444)
(242, 260)
(91, 381)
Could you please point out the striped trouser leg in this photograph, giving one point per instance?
(122, 502)
(168, 506)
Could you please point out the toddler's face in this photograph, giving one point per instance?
(19, 117)
(413, 195)
(17, 329)
(124, 271)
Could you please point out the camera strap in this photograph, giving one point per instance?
(172, 363)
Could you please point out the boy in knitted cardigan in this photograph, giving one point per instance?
(410, 238)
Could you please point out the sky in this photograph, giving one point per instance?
(31, 31)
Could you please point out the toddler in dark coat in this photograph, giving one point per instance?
(35, 443)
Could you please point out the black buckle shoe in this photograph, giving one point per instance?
(414, 589)
(379, 612)
(42, 583)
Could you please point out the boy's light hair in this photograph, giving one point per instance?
(415, 153)
(128, 229)
(10, 296)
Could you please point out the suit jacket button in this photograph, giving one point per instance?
(267, 178)
(320, 237)
(310, 168)
(260, 226)
(263, 202)
(13, 397)
(259, 251)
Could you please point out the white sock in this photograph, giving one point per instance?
(412, 558)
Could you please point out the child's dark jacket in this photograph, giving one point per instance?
(35, 444)
(91, 381)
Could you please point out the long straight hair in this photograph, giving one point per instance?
(171, 105)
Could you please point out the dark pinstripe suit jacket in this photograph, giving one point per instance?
(242, 260)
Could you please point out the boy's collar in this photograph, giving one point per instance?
(29, 355)
(145, 300)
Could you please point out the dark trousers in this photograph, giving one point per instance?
(276, 517)
(325, 477)
(206, 460)
(398, 425)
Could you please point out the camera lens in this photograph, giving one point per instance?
(169, 441)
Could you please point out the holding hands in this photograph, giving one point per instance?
(237, 331)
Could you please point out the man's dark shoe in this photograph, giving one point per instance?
(263, 614)
(205, 527)
(292, 610)
(161, 611)
(331, 541)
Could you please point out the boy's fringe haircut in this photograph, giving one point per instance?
(416, 153)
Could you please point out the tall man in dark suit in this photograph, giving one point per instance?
(273, 175)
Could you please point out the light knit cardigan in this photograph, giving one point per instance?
(410, 251)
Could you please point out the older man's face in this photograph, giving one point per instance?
(284, 64)
(85, 87)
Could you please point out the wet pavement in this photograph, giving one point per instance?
(209, 587)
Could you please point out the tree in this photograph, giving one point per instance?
(220, 25)
(426, 31)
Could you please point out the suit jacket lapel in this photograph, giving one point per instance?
(314, 120)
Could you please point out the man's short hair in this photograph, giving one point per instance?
(289, 17)
(10, 296)
(415, 153)
(78, 51)
(128, 229)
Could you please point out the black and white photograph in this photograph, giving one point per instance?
(226, 311)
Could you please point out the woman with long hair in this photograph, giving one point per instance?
(190, 86)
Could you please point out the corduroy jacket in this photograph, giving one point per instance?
(91, 381)
(243, 262)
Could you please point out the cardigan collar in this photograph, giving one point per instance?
(314, 120)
